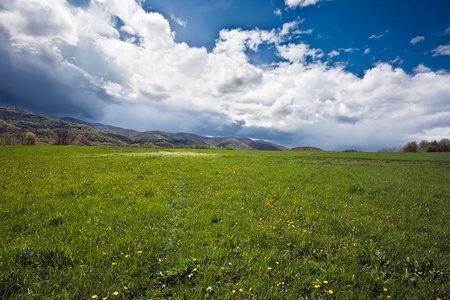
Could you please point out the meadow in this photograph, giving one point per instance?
(119, 223)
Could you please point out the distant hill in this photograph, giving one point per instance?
(16, 122)
(104, 128)
(306, 149)
(181, 139)
(193, 140)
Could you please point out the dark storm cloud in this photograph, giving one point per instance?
(56, 92)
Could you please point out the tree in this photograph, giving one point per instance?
(444, 145)
(435, 146)
(423, 146)
(63, 137)
(30, 139)
(82, 140)
(6, 139)
(410, 147)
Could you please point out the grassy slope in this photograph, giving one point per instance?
(79, 222)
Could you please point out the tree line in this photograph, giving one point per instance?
(425, 146)
(62, 136)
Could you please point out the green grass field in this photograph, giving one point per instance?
(95, 223)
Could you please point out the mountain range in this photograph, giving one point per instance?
(16, 122)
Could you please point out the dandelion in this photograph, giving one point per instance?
(139, 252)
(269, 268)
(125, 288)
(325, 281)
(330, 291)
(116, 293)
(126, 256)
(385, 289)
(233, 291)
(94, 297)
(420, 273)
(114, 264)
(317, 286)
(241, 290)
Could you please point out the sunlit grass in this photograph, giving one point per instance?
(126, 223)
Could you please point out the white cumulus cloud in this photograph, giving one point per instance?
(333, 53)
(421, 68)
(300, 3)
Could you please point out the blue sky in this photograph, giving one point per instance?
(337, 74)
(363, 32)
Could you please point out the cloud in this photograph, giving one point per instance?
(417, 39)
(397, 60)
(348, 50)
(441, 50)
(300, 3)
(367, 51)
(421, 68)
(182, 23)
(298, 52)
(378, 36)
(333, 54)
(291, 26)
(113, 62)
(278, 12)
(447, 31)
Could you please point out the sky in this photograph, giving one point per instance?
(334, 74)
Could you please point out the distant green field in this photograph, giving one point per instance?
(117, 223)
